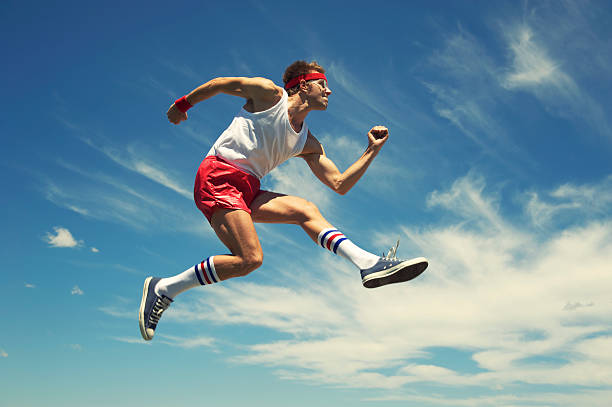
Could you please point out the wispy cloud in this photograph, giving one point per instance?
(594, 398)
(28, 285)
(531, 64)
(132, 160)
(76, 291)
(176, 341)
(497, 290)
(105, 179)
(534, 69)
(465, 198)
(118, 312)
(109, 199)
(62, 238)
(130, 339)
(466, 114)
(589, 200)
(462, 78)
(186, 343)
(104, 205)
(470, 85)
(3, 354)
(185, 70)
(77, 347)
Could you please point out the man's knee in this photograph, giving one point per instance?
(310, 210)
(250, 262)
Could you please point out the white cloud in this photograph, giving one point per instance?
(77, 347)
(95, 250)
(130, 339)
(118, 313)
(123, 204)
(186, 343)
(534, 70)
(531, 65)
(466, 199)
(589, 200)
(131, 159)
(28, 285)
(591, 398)
(185, 70)
(76, 291)
(466, 92)
(498, 290)
(3, 354)
(62, 238)
(469, 86)
(541, 212)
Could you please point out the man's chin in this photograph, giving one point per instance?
(320, 106)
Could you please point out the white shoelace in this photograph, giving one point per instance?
(392, 253)
(161, 304)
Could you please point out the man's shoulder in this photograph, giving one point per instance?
(263, 94)
(263, 87)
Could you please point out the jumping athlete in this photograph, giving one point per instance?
(269, 129)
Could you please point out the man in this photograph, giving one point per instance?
(269, 129)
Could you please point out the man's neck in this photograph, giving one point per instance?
(298, 110)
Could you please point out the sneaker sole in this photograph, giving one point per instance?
(141, 316)
(404, 271)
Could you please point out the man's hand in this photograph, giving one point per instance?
(377, 136)
(175, 115)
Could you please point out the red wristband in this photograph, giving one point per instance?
(182, 104)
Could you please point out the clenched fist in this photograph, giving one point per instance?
(377, 136)
(175, 115)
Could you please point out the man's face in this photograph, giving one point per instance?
(318, 93)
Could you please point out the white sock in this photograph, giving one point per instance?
(337, 243)
(201, 274)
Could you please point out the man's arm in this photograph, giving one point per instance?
(260, 93)
(326, 170)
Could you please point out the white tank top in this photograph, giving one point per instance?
(259, 142)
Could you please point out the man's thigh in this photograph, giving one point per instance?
(235, 229)
(272, 207)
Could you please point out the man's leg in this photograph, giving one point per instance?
(271, 207)
(235, 229)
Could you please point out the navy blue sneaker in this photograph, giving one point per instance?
(389, 270)
(151, 308)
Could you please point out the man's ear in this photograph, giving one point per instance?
(303, 85)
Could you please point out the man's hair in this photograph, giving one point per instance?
(299, 68)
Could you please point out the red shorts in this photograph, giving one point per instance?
(219, 184)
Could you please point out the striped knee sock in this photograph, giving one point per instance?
(201, 274)
(335, 241)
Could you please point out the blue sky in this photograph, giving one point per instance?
(498, 170)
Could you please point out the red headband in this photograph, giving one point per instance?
(306, 77)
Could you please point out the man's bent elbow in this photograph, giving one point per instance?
(341, 188)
